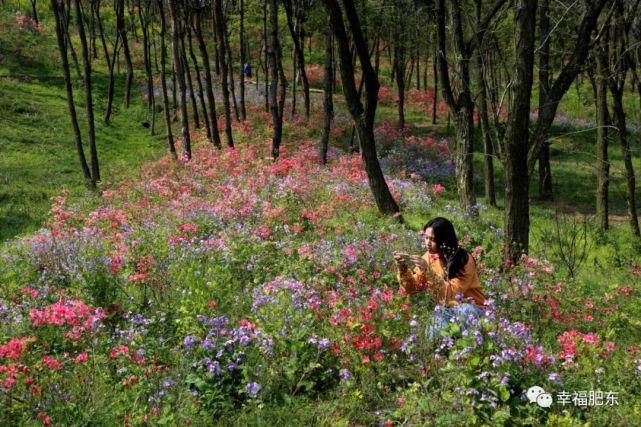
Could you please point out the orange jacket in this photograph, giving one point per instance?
(466, 284)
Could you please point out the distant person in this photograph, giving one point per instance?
(448, 271)
(247, 69)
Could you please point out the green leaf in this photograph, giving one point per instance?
(504, 394)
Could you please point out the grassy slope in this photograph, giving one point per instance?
(37, 151)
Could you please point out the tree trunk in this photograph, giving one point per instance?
(177, 36)
(93, 51)
(34, 11)
(464, 118)
(144, 25)
(328, 102)
(110, 63)
(364, 119)
(232, 84)
(299, 54)
(266, 56)
(517, 209)
(58, 11)
(91, 129)
(213, 116)
(435, 72)
(400, 81)
(545, 170)
(201, 92)
(187, 76)
(275, 65)
(294, 80)
(174, 91)
(74, 57)
(120, 26)
(220, 32)
(602, 122)
(163, 79)
(462, 108)
(618, 69)
(488, 149)
(418, 66)
(621, 130)
(243, 59)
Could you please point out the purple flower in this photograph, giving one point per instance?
(208, 345)
(324, 343)
(189, 342)
(554, 377)
(253, 388)
(344, 373)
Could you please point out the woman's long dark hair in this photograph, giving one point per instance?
(445, 237)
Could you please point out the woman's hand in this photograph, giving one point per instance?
(419, 262)
(401, 261)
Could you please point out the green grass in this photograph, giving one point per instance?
(37, 150)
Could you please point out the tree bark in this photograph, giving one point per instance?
(91, 128)
(545, 170)
(220, 32)
(461, 107)
(65, 24)
(122, 31)
(110, 63)
(163, 79)
(213, 116)
(399, 59)
(266, 56)
(436, 76)
(621, 131)
(488, 149)
(619, 65)
(299, 54)
(517, 209)
(232, 84)
(602, 122)
(243, 59)
(93, 51)
(201, 92)
(417, 58)
(177, 36)
(34, 11)
(144, 26)
(328, 102)
(275, 64)
(187, 74)
(363, 118)
(60, 37)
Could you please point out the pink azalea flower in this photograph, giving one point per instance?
(438, 189)
(82, 357)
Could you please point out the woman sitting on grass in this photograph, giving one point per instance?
(448, 271)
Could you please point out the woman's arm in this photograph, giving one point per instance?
(411, 281)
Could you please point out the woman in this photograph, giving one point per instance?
(448, 271)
